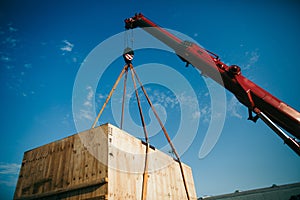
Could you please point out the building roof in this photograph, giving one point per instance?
(288, 192)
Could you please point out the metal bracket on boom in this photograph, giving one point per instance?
(291, 142)
(235, 70)
(251, 117)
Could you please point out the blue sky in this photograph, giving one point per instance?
(43, 46)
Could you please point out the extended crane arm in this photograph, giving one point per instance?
(248, 93)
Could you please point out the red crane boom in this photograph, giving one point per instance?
(267, 107)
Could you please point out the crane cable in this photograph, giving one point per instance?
(128, 38)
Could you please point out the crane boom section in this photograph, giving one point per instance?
(247, 92)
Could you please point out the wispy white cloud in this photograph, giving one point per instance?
(234, 107)
(187, 100)
(252, 58)
(9, 174)
(16, 72)
(12, 29)
(67, 46)
(9, 67)
(205, 113)
(66, 119)
(196, 114)
(165, 99)
(9, 33)
(86, 114)
(5, 58)
(168, 100)
(10, 41)
(88, 100)
(28, 66)
(10, 182)
(102, 96)
(86, 111)
(67, 50)
(9, 168)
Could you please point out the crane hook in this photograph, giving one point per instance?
(128, 55)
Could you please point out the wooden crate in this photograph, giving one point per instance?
(101, 163)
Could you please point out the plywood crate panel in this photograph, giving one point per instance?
(100, 163)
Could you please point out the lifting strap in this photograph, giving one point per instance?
(109, 96)
(145, 174)
(123, 99)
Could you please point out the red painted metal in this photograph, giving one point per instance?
(247, 92)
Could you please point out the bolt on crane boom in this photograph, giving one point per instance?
(266, 106)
